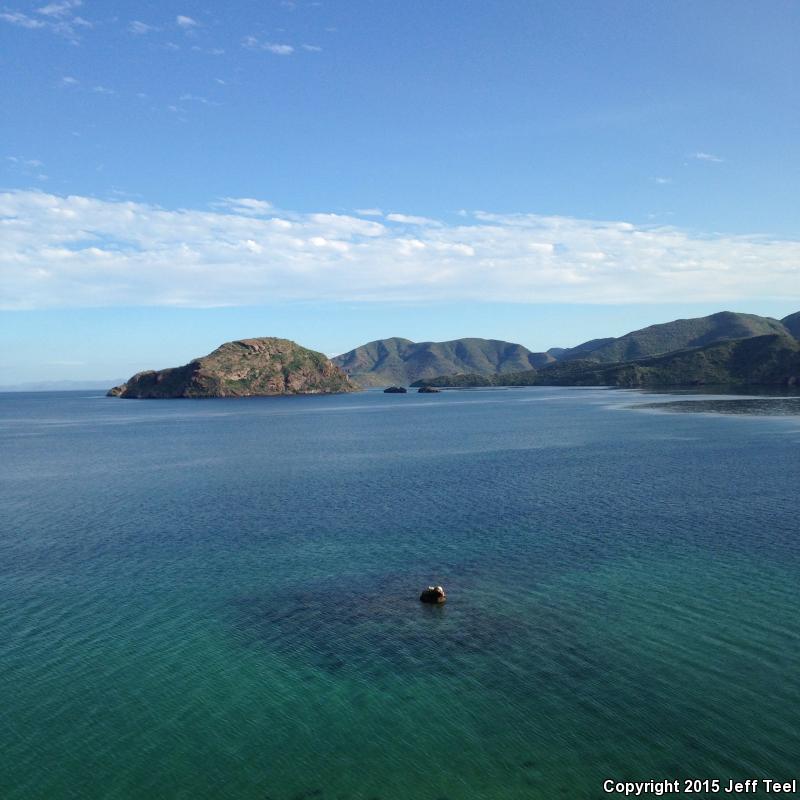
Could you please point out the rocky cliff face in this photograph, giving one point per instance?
(245, 368)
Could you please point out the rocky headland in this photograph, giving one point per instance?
(245, 368)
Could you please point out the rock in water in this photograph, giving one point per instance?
(245, 368)
(433, 594)
(428, 390)
(395, 390)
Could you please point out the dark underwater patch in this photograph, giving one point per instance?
(380, 627)
(372, 628)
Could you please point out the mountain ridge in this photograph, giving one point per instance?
(769, 360)
(396, 360)
(679, 334)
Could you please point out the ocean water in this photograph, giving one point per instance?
(218, 599)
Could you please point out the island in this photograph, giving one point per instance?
(263, 366)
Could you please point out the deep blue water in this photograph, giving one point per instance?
(218, 599)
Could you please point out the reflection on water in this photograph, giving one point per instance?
(758, 406)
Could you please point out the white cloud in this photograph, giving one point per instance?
(186, 22)
(246, 205)
(81, 251)
(662, 181)
(312, 48)
(102, 90)
(278, 49)
(252, 43)
(23, 20)
(140, 28)
(408, 219)
(196, 98)
(369, 212)
(59, 9)
(67, 80)
(700, 156)
(58, 19)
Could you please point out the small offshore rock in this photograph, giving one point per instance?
(395, 390)
(428, 390)
(433, 594)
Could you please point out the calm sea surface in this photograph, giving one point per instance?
(218, 599)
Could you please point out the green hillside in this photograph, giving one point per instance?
(772, 360)
(387, 362)
(792, 324)
(677, 335)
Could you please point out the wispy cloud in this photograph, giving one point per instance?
(27, 167)
(81, 251)
(662, 181)
(253, 43)
(701, 156)
(186, 22)
(246, 205)
(68, 82)
(278, 49)
(25, 162)
(141, 28)
(61, 9)
(22, 20)
(54, 17)
(408, 219)
(312, 48)
(196, 98)
(209, 51)
(369, 212)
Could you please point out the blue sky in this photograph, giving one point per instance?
(174, 174)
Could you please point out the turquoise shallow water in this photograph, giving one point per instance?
(218, 599)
